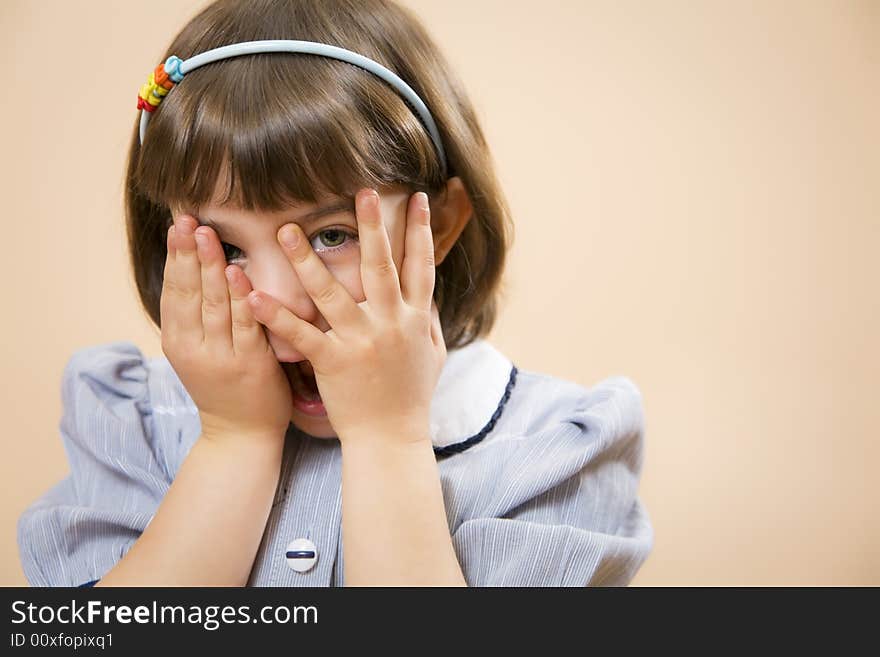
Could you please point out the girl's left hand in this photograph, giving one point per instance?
(378, 366)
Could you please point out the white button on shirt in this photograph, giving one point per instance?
(301, 555)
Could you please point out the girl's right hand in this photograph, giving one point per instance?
(221, 356)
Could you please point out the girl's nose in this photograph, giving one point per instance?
(279, 280)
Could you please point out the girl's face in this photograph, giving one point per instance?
(250, 241)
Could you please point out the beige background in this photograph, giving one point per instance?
(696, 191)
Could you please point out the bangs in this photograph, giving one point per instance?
(282, 129)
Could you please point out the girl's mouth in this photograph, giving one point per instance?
(306, 396)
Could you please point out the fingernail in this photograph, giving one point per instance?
(289, 237)
(255, 299)
(423, 201)
(201, 239)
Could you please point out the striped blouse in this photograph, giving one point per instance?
(539, 476)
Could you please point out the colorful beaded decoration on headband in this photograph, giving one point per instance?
(160, 82)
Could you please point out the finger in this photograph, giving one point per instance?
(167, 319)
(437, 329)
(418, 268)
(169, 241)
(306, 338)
(184, 285)
(216, 319)
(378, 271)
(248, 335)
(330, 296)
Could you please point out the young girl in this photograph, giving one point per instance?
(323, 255)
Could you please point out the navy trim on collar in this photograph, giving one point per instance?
(473, 440)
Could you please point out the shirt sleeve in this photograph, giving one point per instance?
(81, 527)
(563, 508)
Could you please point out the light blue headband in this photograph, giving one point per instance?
(166, 76)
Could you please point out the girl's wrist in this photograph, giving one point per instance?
(243, 440)
(392, 436)
(220, 431)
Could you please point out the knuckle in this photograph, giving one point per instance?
(396, 333)
(369, 350)
(328, 294)
(170, 287)
(242, 322)
(180, 292)
(294, 335)
(213, 305)
(385, 267)
(190, 295)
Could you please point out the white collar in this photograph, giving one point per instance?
(474, 385)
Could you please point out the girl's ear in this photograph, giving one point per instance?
(449, 215)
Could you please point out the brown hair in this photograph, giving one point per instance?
(297, 127)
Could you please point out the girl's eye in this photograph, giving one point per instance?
(329, 240)
(226, 252)
(333, 239)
